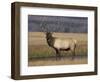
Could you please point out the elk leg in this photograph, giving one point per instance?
(74, 51)
(57, 54)
(73, 54)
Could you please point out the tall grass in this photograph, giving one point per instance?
(38, 48)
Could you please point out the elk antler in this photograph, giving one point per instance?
(43, 24)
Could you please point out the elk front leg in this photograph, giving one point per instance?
(58, 56)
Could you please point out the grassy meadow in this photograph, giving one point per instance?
(40, 54)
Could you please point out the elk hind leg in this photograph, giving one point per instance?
(73, 53)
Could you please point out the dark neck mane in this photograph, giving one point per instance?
(50, 39)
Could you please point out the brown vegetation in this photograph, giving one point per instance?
(39, 53)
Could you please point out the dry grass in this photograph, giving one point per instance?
(39, 53)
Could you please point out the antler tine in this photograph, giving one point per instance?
(43, 24)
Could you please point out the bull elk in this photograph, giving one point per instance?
(59, 44)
